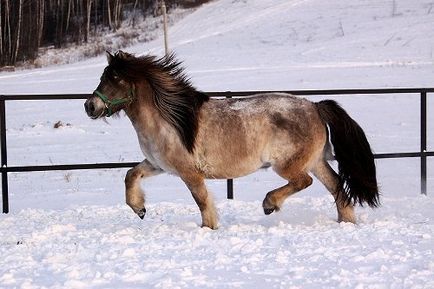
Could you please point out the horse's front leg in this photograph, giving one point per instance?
(196, 185)
(135, 197)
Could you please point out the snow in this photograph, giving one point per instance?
(73, 230)
(168, 250)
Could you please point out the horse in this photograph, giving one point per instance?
(182, 131)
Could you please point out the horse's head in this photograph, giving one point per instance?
(114, 92)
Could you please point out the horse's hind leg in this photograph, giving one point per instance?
(203, 199)
(133, 193)
(326, 175)
(296, 182)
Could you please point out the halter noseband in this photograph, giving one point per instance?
(110, 103)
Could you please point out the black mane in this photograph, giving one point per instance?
(177, 101)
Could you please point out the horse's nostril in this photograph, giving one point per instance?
(91, 108)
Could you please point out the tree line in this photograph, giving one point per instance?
(27, 25)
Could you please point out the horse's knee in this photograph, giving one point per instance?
(132, 176)
(134, 196)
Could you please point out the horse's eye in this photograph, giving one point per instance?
(115, 77)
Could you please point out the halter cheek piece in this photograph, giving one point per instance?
(110, 103)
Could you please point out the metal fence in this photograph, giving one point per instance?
(5, 169)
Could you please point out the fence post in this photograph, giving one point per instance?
(166, 45)
(4, 160)
(230, 182)
(423, 173)
(230, 193)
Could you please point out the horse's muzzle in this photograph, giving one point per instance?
(94, 107)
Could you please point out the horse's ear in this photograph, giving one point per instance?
(109, 57)
(122, 55)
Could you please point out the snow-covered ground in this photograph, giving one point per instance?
(72, 229)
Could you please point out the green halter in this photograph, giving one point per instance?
(110, 103)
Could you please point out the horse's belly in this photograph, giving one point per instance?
(222, 167)
(230, 173)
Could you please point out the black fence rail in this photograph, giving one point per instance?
(5, 169)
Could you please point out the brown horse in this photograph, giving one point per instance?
(183, 132)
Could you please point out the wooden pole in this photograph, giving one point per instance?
(166, 45)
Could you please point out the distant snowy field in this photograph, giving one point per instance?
(72, 229)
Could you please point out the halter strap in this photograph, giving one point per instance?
(110, 103)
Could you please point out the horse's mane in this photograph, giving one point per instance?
(177, 101)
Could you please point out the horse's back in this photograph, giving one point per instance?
(238, 136)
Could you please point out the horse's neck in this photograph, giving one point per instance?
(143, 114)
(155, 135)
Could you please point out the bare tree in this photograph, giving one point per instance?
(118, 13)
(88, 10)
(1, 31)
(18, 37)
(8, 31)
(26, 25)
(109, 14)
(68, 16)
(41, 21)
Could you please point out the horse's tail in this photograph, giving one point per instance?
(357, 175)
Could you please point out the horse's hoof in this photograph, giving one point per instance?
(212, 227)
(268, 211)
(141, 213)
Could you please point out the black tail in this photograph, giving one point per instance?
(357, 175)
